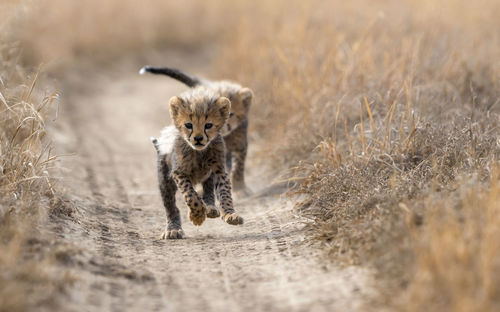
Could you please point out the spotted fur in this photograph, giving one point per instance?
(191, 152)
(235, 130)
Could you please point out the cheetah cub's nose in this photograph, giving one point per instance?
(198, 138)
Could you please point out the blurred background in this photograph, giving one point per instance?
(381, 116)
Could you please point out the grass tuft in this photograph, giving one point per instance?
(26, 188)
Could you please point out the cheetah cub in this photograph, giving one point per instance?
(234, 131)
(192, 152)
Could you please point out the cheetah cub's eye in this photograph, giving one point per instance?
(208, 125)
(188, 125)
(231, 115)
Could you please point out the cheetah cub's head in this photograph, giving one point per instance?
(240, 106)
(199, 116)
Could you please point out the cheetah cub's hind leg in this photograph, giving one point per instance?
(209, 199)
(240, 189)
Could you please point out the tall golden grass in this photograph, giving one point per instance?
(26, 183)
(378, 110)
(26, 186)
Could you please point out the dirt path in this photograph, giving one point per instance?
(107, 119)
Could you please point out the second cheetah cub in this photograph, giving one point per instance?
(192, 152)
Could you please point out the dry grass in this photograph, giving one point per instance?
(457, 263)
(379, 109)
(26, 188)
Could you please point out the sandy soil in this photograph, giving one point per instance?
(119, 262)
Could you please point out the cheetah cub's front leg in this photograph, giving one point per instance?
(197, 209)
(223, 191)
(208, 197)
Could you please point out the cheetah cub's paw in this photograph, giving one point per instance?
(232, 218)
(172, 234)
(212, 212)
(197, 213)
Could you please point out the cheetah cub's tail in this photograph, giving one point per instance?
(155, 143)
(165, 143)
(190, 81)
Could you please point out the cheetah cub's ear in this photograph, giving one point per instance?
(246, 96)
(176, 104)
(224, 106)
